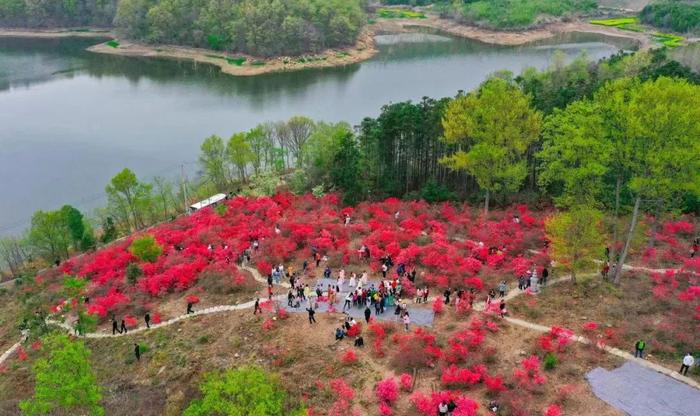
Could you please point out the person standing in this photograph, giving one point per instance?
(368, 313)
(137, 352)
(502, 289)
(502, 308)
(545, 275)
(406, 321)
(348, 301)
(688, 361)
(257, 307)
(639, 348)
(147, 318)
(189, 308)
(123, 329)
(311, 312)
(447, 294)
(115, 326)
(442, 408)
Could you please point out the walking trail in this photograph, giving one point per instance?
(477, 307)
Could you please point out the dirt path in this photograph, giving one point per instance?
(478, 307)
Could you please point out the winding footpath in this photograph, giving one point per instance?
(479, 307)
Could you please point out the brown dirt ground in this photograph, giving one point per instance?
(629, 310)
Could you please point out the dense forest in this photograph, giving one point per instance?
(676, 15)
(258, 27)
(54, 13)
(510, 14)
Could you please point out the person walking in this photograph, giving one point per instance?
(123, 329)
(502, 289)
(368, 313)
(147, 318)
(257, 307)
(639, 348)
(688, 361)
(406, 321)
(137, 352)
(502, 308)
(348, 301)
(189, 308)
(311, 312)
(115, 326)
(447, 294)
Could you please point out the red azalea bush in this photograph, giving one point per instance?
(387, 391)
(406, 381)
(427, 404)
(349, 357)
(192, 299)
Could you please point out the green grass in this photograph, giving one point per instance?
(616, 22)
(668, 39)
(399, 14)
(113, 43)
(624, 23)
(236, 61)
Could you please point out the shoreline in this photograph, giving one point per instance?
(228, 63)
(363, 50)
(507, 38)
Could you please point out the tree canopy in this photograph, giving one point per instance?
(65, 383)
(246, 391)
(496, 125)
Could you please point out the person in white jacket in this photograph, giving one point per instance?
(688, 361)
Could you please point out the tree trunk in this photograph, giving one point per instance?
(612, 246)
(628, 241)
(486, 203)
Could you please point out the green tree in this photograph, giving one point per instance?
(109, 231)
(260, 146)
(300, 129)
(146, 248)
(346, 169)
(49, 235)
(657, 140)
(239, 154)
(576, 238)
(14, 252)
(243, 391)
(65, 383)
(129, 198)
(319, 151)
(574, 158)
(497, 125)
(214, 162)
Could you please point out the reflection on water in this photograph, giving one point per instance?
(70, 119)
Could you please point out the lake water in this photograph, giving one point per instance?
(70, 119)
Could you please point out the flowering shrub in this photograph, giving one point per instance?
(406, 381)
(427, 405)
(494, 384)
(387, 391)
(350, 357)
(22, 354)
(529, 372)
(454, 376)
(192, 299)
(553, 410)
(590, 326)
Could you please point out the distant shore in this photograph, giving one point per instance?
(364, 48)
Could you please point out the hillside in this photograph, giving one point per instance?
(460, 351)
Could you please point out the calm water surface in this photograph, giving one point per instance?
(69, 119)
